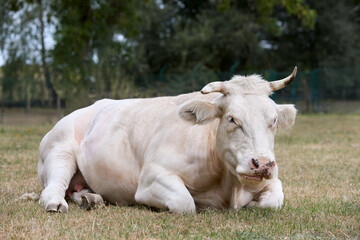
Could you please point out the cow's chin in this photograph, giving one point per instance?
(251, 178)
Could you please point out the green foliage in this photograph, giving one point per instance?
(217, 34)
(11, 79)
(334, 42)
(301, 11)
(86, 28)
(106, 48)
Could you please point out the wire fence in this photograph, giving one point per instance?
(318, 90)
(311, 91)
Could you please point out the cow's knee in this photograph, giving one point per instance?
(174, 202)
(181, 204)
(162, 189)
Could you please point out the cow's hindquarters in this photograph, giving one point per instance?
(59, 151)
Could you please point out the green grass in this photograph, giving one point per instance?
(319, 166)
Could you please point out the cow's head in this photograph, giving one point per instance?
(248, 123)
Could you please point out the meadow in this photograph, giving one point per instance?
(319, 164)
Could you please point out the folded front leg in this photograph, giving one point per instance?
(162, 189)
(271, 196)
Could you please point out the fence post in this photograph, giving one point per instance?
(233, 67)
(314, 90)
(317, 89)
(2, 111)
(161, 73)
(193, 82)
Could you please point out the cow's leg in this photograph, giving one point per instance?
(86, 199)
(55, 173)
(162, 189)
(271, 197)
(90, 201)
(76, 196)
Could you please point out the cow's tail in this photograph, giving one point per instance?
(29, 196)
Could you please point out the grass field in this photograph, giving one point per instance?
(319, 162)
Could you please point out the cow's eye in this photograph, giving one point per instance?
(231, 120)
(274, 122)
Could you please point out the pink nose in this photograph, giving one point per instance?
(262, 167)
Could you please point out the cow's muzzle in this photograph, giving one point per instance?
(262, 167)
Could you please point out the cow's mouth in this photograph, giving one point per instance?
(253, 178)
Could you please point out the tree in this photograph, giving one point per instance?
(333, 42)
(22, 40)
(110, 48)
(216, 33)
(86, 39)
(333, 45)
(42, 10)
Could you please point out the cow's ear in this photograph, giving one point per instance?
(286, 116)
(198, 111)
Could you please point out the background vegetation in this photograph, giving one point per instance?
(74, 52)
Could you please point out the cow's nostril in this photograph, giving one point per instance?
(255, 162)
(269, 164)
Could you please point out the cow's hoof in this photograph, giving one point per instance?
(56, 208)
(90, 200)
(57, 205)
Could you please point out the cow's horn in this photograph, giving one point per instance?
(279, 84)
(215, 87)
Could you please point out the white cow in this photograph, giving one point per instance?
(197, 150)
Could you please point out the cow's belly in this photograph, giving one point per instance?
(114, 183)
(110, 171)
(108, 164)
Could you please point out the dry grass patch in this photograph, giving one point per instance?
(319, 166)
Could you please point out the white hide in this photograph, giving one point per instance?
(176, 153)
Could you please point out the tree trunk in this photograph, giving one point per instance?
(306, 95)
(47, 76)
(106, 81)
(42, 93)
(28, 99)
(2, 110)
(58, 105)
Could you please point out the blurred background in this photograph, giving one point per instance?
(56, 56)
